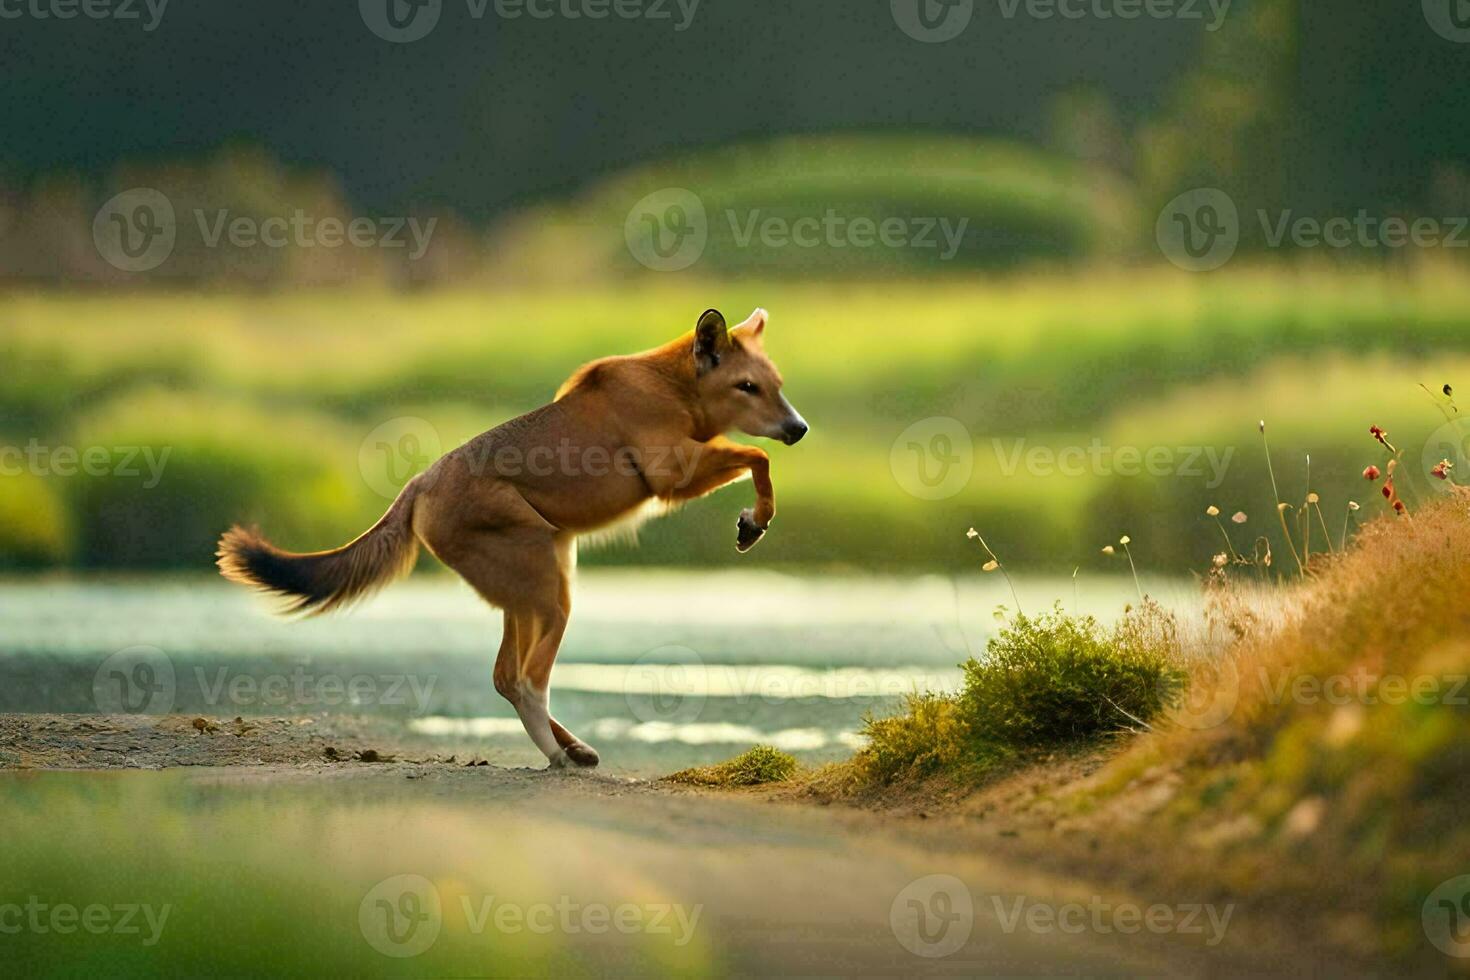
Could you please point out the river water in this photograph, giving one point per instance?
(659, 669)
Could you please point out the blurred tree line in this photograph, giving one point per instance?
(1323, 111)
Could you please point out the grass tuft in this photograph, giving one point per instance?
(1045, 682)
(761, 764)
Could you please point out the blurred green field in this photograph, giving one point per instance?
(272, 407)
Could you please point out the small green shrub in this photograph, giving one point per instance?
(1049, 681)
(1056, 678)
(928, 737)
(761, 764)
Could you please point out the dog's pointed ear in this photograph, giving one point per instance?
(754, 325)
(711, 340)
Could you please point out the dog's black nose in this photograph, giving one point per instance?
(794, 432)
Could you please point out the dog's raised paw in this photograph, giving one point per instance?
(747, 531)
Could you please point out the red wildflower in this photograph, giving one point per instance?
(1378, 432)
(1442, 469)
(1370, 473)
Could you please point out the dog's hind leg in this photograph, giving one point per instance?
(574, 750)
(525, 571)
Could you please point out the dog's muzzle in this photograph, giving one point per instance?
(792, 432)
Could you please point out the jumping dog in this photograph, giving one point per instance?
(624, 438)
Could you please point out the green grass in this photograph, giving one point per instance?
(1046, 682)
(756, 766)
(267, 401)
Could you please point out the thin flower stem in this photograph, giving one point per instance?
(1280, 512)
(1001, 565)
(1306, 517)
(1306, 537)
(1226, 535)
(1346, 518)
(1129, 552)
(1323, 521)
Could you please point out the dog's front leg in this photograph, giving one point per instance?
(697, 468)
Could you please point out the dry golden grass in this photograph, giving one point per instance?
(1323, 762)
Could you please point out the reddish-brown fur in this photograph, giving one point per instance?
(505, 509)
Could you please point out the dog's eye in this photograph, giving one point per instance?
(749, 387)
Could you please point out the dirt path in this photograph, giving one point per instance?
(753, 886)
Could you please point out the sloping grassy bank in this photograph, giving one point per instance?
(1319, 764)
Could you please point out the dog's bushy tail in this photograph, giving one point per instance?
(321, 581)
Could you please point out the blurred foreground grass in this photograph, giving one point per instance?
(303, 411)
(134, 874)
